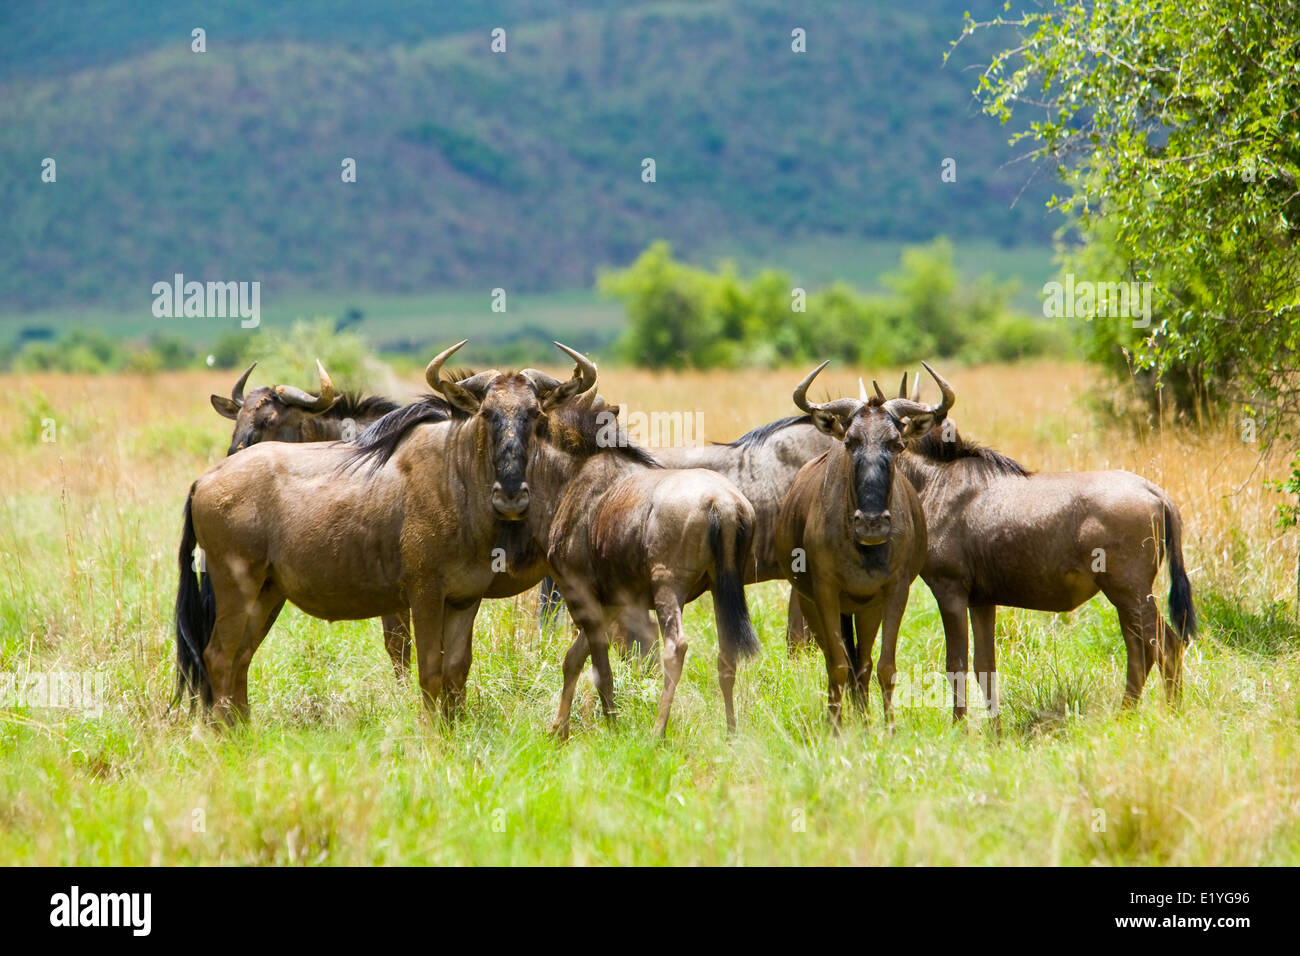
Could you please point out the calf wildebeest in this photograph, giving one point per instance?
(629, 535)
(286, 413)
(435, 523)
(761, 463)
(1000, 534)
(851, 536)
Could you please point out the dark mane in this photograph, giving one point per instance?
(759, 435)
(934, 447)
(355, 405)
(582, 428)
(378, 443)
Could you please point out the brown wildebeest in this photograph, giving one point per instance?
(851, 536)
(1000, 534)
(436, 524)
(286, 413)
(761, 463)
(630, 534)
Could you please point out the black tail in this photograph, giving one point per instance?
(735, 630)
(1181, 612)
(196, 614)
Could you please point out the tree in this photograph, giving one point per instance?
(1177, 129)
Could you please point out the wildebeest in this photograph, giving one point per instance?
(433, 522)
(851, 535)
(1000, 534)
(761, 463)
(628, 535)
(286, 413)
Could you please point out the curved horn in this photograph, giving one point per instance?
(907, 408)
(237, 393)
(916, 387)
(879, 394)
(305, 400)
(949, 396)
(433, 372)
(862, 390)
(455, 394)
(584, 370)
(801, 391)
(584, 378)
(902, 388)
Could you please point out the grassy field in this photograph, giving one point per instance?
(340, 765)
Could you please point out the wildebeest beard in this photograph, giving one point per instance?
(518, 543)
(875, 557)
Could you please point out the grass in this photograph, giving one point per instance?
(340, 765)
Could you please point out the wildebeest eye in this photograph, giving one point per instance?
(897, 445)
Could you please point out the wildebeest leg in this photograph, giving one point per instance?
(635, 631)
(895, 605)
(826, 607)
(797, 633)
(550, 602)
(589, 616)
(668, 608)
(1171, 664)
(603, 676)
(457, 654)
(397, 641)
(236, 598)
(574, 660)
(268, 609)
(727, 681)
(1139, 622)
(426, 616)
(867, 622)
(982, 621)
(956, 639)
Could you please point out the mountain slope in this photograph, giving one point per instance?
(474, 169)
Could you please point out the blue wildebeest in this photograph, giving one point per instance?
(851, 536)
(629, 535)
(286, 413)
(1000, 534)
(435, 523)
(761, 463)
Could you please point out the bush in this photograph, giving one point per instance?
(681, 316)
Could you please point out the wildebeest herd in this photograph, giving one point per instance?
(356, 507)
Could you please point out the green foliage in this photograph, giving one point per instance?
(1175, 128)
(92, 351)
(680, 315)
(36, 410)
(289, 357)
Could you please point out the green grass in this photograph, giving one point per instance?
(341, 765)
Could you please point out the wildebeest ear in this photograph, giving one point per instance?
(462, 398)
(225, 407)
(915, 426)
(828, 423)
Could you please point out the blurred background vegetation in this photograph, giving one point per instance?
(477, 171)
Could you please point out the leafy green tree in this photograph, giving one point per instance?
(1176, 127)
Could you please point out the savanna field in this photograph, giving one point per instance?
(341, 765)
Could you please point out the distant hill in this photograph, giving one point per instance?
(476, 169)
